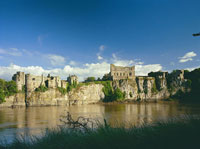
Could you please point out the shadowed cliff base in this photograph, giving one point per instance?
(175, 133)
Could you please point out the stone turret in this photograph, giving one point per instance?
(19, 78)
(72, 79)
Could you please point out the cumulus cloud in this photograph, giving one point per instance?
(187, 57)
(56, 60)
(88, 69)
(99, 57)
(11, 52)
(143, 70)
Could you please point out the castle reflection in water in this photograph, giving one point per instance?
(32, 120)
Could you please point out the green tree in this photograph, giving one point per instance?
(90, 79)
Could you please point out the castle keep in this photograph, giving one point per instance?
(119, 73)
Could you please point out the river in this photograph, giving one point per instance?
(34, 120)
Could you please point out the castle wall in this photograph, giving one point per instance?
(19, 78)
(118, 72)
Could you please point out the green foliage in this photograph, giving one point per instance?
(107, 77)
(193, 83)
(110, 93)
(63, 91)
(145, 90)
(7, 88)
(118, 95)
(154, 88)
(71, 86)
(172, 134)
(130, 94)
(90, 79)
(41, 88)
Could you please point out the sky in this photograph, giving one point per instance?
(83, 37)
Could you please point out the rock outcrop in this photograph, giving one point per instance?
(14, 100)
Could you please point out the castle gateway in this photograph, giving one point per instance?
(118, 72)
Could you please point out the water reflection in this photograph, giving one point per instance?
(32, 120)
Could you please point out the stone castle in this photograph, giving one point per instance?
(31, 82)
(120, 73)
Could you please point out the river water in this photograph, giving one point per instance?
(34, 120)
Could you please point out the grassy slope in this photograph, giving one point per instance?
(172, 134)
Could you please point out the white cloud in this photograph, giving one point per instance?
(187, 57)
(99, 57)
(92, 69)
(10, 51)
(192, 68)
(73, 63)
(143, 70)
(56, 60)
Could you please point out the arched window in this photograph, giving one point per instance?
(130, 74)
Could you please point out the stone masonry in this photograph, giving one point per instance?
(120, 73)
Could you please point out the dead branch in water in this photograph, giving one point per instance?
(81, 122)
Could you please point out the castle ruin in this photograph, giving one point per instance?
(31, 82)
(119, 72)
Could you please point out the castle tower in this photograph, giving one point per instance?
(19, 78)
(119, 72)
(72, 79)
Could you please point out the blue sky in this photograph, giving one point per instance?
(83, 37)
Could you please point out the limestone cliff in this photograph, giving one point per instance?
(14, 100)
(86, 94)
(148, 88)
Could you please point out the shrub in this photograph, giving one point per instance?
(130, 94)
(7, 88)
(41, 88)
(119, 95)
(90, 79)
(154, 89)
(63, 91)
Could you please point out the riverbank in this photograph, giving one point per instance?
(177, 133)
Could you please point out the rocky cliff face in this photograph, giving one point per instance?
(14, 100)
(150, 88)
(52, 97)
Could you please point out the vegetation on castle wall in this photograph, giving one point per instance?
(68, 88)
(131, 94)
(110, 93)
(154, 88)
(41, 88)
(157, 79)
(7, 88)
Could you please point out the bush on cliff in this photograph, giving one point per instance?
(90, 79)
(7, 88)
(41, 88)
(63, 91)
(110, 93)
